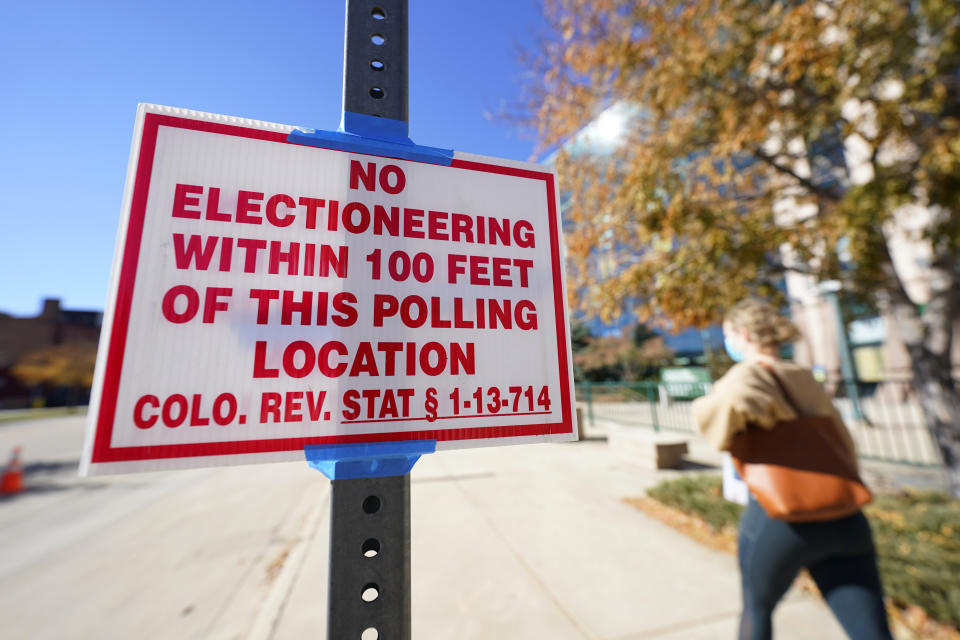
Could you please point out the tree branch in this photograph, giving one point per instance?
(819, 190)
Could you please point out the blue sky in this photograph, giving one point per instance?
(72, 74)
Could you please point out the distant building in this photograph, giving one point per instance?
(22, 336)
(694, 346)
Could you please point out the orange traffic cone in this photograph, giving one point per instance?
(12, 481)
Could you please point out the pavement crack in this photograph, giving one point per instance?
(286, 578)
(674, 628)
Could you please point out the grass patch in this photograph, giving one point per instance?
(918, 545)
(917, 535)
(701, 496)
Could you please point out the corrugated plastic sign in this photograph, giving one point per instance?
(268, 295)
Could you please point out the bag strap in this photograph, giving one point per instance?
(783, 388)
(834, 426)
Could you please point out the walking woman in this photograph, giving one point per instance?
(758, 392)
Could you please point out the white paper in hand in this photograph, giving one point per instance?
(734, 488)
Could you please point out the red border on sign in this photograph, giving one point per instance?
(102, 449)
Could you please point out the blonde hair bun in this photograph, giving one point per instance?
(764, 324)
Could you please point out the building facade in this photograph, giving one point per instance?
(23, 336)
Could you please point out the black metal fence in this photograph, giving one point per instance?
(885, 419)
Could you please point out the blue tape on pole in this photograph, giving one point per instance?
(386, 129)
(373, 136)
(371, 460)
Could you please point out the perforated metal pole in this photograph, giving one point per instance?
(375, 59)
(369, 559)
(369, 583)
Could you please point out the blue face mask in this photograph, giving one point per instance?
(735, 354)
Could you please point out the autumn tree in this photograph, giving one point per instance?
(579, 335)
(761, 140)
(634, 355)
(69, 365)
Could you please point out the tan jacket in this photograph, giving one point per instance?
(749, 393)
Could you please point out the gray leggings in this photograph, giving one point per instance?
(840, 557)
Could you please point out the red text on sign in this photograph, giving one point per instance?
(281, 210)
(177, 408)
(289, 407)
(484, 270)
(181, 303)
(391, 177)
(415, 312)
(380, 404)
(301, 305)
(307, 259)
(333, 359)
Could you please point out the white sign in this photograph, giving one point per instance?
(268, 295)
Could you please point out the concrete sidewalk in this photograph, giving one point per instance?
(535, 542)
(523, 542)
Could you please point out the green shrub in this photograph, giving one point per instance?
(700, 496)
(918, 545)
(917, 535)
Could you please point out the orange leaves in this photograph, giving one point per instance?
(627, 357)
(738, 109)
(64, 365)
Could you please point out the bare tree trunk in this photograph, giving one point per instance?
(928, 338)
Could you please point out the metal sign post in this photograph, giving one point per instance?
(375, 61)
(369, 580)
(369, 558)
